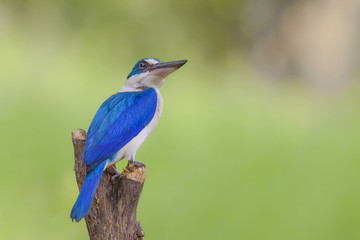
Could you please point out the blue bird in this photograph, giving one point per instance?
(121, 125)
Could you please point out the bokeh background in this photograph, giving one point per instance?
(260, 133)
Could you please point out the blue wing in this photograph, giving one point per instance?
(119, 119)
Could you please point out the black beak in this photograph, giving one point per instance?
(173, 64)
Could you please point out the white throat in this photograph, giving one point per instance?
(142, 81)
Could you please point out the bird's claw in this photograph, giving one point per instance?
(115, 174)
(115, 177)
(134, 165)
(131, 167)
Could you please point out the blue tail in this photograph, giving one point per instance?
(82, 204)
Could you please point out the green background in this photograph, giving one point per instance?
(233, 157)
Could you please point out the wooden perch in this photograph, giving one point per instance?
(112, 212)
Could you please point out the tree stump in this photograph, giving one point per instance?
(112, 212)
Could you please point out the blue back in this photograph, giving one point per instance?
(119, 119)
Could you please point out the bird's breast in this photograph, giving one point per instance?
(129, 150)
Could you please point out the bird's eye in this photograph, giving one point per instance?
(142, 64)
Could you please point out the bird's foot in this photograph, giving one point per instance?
(115, 177)
(134, 165)
(115, 174)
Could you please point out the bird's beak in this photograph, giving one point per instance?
(165, 68)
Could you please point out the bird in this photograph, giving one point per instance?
(121, 125)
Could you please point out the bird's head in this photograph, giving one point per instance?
(150, 72)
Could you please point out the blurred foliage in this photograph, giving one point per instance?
(121, 29)
(232, 157)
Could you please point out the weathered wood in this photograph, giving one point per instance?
(112, 212)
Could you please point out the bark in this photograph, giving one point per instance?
(112, 212)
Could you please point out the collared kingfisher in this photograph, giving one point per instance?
(121, 125)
